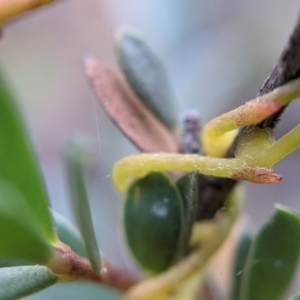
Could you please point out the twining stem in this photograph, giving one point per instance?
(258, 147)
(156, 288)
(130, 168)
(251, 113)
(69, 267)
(133, 167)
(253, 166)
(276, 151)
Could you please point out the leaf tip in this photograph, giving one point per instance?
(125, 32)
(257, 175)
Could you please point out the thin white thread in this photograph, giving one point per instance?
(97, 124)
(106, 177)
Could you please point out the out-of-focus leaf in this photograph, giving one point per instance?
(295, 297)
(12, 9)
(187, 186)
(273, 257)
(16, 282)
(13, 263)
(146, 76)
(68, 234)
(190, 288)
(77, 156)
(129, 113)
(241, 255)
(153, 221)
(18, 162)
(20, 234)
(77, 291)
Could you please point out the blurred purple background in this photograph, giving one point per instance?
(217, 54)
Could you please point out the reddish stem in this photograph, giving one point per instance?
(69, 266)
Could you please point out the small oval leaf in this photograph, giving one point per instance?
(153, 221)
(146, 76)
(16, 282)
(77, 156)
(273, 257)
(18, 162)
(130, 115)
(68, 234)
(22, 238)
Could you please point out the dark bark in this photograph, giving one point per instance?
(214, 191)
(286, 69)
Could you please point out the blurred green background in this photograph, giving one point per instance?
(217, 54)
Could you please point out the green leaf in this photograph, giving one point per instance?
(77, 290)
(13, 263)
(20, 234)
(241, 255)
(188, 188)
(18, 162)
(78, 156)
(10, 263)
(146, 76)
(68, 234)
(16, 282)
(153, 221)
(273, 257)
